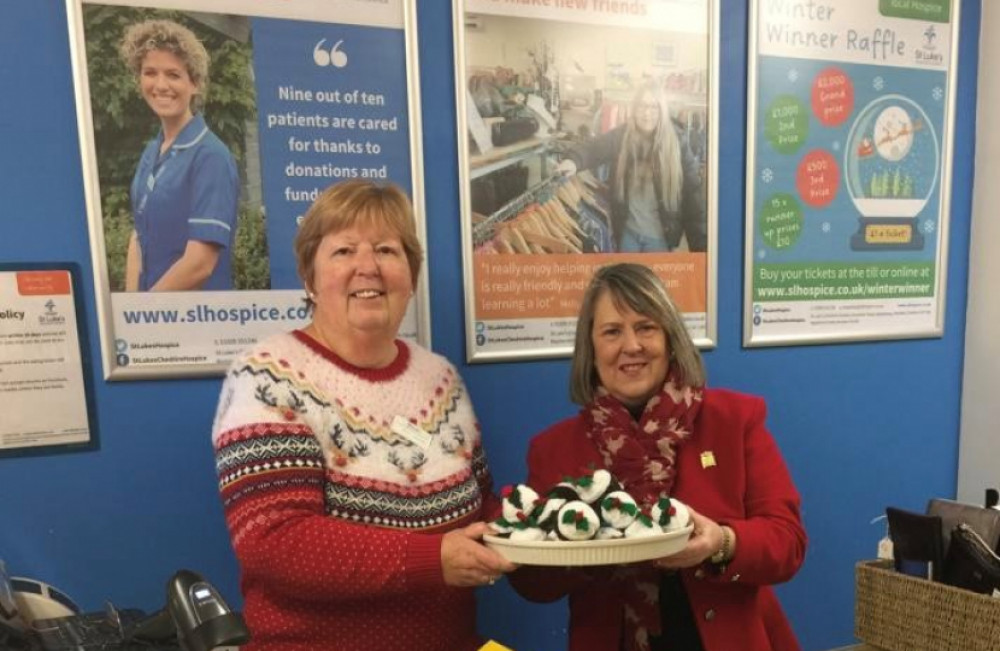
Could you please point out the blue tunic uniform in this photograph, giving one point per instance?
(190, 192)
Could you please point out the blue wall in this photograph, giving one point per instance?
(862, 426)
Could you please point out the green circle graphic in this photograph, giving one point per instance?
(786, 124)
(781, 221)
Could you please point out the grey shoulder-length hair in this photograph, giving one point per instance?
(634, 286)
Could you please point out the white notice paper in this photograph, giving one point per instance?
(42, 387)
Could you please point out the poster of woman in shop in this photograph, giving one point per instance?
(205, 136)
(848, 178)
(588, 133)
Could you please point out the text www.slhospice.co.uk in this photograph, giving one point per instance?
(206, 314)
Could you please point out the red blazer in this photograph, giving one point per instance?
(748, 488)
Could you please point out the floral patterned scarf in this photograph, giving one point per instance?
(641, 454)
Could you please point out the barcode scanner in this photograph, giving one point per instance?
(197, 614)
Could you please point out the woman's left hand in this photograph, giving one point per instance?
(705, 540)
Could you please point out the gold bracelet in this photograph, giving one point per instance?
(721, 557)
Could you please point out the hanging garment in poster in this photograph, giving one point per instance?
(848, 170)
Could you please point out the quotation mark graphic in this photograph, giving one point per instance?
(334, 57)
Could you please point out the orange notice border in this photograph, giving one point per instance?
(43, 283)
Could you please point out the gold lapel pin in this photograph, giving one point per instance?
(707, 459)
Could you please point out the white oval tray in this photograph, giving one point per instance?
(589, 552)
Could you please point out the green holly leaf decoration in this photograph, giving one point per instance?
(583, 525)
(610, 503)
(569, 517)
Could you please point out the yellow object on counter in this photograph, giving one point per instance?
(494, 646)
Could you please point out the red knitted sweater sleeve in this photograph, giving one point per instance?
(271, 479)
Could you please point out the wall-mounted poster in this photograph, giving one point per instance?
(848, 173)
(44, 361)
(587, 136)
(207, 128)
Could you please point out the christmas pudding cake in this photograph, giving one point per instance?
(591, 512)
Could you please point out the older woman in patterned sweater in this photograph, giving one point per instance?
(350, 462)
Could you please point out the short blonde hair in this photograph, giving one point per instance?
(142, 38)
(357, 203)
(634, 286)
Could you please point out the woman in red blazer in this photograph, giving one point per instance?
(649, 419)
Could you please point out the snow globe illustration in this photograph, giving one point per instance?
(891, 161)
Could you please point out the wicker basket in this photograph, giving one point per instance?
(897, 612)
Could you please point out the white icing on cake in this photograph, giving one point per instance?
(582, 523)
(612, 512)
(642, 528)
(599, 485)
(524, 495)
(609, 533)
(681, 517)
(530, 534)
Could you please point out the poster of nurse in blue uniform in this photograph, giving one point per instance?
(185, 192)
(207, 128)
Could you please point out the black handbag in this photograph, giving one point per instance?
(971, 564)
(984, 521)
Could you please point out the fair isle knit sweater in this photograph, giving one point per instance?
(337, 520)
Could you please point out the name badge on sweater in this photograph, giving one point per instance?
(411, 432)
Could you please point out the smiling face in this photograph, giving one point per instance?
(647, 113)
(361, 282)
(631, 352)
(167, 86)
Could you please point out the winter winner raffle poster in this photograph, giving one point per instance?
(299, 95)
(848, 169)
